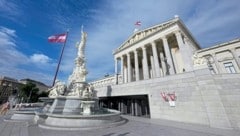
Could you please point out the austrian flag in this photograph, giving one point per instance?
(60, 38)
(138, 23)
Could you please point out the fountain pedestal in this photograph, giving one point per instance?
(87, 107)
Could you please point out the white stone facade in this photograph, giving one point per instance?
(166, 58)
(222, 58)
(202, 98)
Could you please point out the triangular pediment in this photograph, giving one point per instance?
(140, 35)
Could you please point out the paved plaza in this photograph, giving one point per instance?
(135, 126)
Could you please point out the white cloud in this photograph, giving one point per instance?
(10, 10)
(15, 63)
(40, 58)
(9, 55)
(7, 37)
(215, 21)
(8, 31)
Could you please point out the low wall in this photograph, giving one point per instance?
(229, 91)
(202, 98)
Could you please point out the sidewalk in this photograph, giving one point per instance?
(136, 126)
(186, 126)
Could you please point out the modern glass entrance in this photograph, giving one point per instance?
(134, 105)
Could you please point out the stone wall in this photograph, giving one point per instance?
(229, 91)
(202, 98)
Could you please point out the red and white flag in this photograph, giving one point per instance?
(59, 38)
(138, 23)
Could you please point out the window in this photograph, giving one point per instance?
(229, 67)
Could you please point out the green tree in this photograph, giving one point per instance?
(43, 94)
(29, 93)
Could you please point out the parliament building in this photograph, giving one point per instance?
(161, 72)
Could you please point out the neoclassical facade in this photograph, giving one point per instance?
(161, 72)
(161, 50)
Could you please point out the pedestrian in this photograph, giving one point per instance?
(5, 108)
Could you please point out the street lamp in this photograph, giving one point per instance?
(29, 95)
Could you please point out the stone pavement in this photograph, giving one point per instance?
(135, 126)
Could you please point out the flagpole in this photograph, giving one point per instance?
(60, 59)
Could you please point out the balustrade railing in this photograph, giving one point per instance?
(106, 81)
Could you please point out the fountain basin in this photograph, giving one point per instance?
(24, 115)
(83, 122)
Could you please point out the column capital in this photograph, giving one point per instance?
(177, 32)
(164, 38)
(213, 54)
(144, 48)
(117, 58)
(180, 34)
(153, 43)
(232, 49)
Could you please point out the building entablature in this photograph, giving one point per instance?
(138, 36)
(231, 45)
(147, 41)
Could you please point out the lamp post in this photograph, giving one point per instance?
(29, 95)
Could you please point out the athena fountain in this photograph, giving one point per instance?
(75, 105)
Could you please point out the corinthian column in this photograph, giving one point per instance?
(155, 59)
(136, 65)
(163, 63)
(116, 71)
(122, 69)
(186, 56)
(116, 65)
(170, 66)
(129, 68)
(145, 64)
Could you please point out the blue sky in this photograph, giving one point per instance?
(25, 26)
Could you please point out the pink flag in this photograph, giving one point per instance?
(59, 38)
(138, 23)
